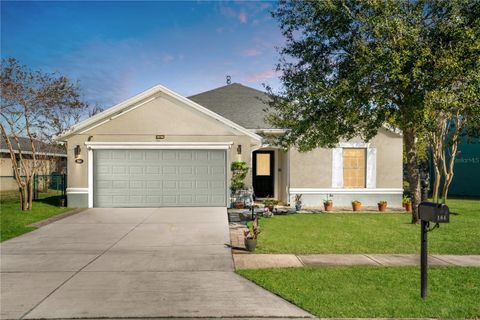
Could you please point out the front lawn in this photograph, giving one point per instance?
(370, 232)
(364, 292)
(13, 221)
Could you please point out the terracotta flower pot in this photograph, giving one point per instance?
(408, 206)
(382, 207)
(356, 206)
(328, 206)
(239, 205)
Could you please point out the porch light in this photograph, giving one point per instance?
(239, 149)
(78, 156)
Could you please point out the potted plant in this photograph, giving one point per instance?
(356, 205)
(239, 204)
(328, 203)
(298, 202)
(407, 203)
(382, 206)
(270, 203)
(239, 173)
(251, 235)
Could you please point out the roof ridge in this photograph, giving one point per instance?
(226, 86)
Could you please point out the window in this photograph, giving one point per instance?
(263, 164)
(354, 167)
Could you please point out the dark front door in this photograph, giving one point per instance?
(263, 174)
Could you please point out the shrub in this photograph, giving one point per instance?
(239, 173)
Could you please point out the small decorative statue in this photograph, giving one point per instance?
(298, 202)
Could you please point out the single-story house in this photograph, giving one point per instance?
(159, 148)
(50, 159)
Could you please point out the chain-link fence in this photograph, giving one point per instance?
(43, 185)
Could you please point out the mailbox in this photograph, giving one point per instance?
(434, 212)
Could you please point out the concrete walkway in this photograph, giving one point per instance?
(131, 263)
(256, 261)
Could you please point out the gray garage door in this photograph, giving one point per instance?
(159, 178)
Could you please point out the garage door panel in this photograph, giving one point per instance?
(152, 178)
(168, 155)
(153, 199)
(118, 155)
(154, 184)
(217, 199)
(115, 184)
(202, 156)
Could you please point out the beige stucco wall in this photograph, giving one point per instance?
(314, 169)
(282, 173)
(163, 116)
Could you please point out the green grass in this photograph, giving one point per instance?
(371, 232)
(13, 221)
(392, 292)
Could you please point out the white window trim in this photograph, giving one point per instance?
(371, 178)
(371, 164)
(353, 145)
(337, 168)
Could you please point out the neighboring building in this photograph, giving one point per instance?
(162, 149)
(466, 172)
(50, 159)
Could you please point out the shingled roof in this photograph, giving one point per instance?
(238, 103)
(42, 148)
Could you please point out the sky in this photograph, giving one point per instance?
(119, 49)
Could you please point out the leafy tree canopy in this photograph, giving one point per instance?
(350, 66)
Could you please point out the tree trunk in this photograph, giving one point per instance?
(23, 198)
(436, 185)
(438, 175)
(446, 185)
(413, 171)
(437, 137)
(30, 194)
(448, 171)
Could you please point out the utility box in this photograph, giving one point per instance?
(434, 212)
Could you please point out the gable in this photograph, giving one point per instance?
(157, 109)
(163, 116)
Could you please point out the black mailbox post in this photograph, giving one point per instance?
(429, 212)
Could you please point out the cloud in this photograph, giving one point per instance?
(261, 76)
(242, 17)
(226, 11)
(168, 58)
(251, 52)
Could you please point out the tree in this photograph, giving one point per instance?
(37, 106)
(455, 101)
(457, 114)
(348, 67)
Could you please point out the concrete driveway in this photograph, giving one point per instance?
(131, 263)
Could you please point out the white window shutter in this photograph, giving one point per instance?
(337, 168)
(371, 168)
